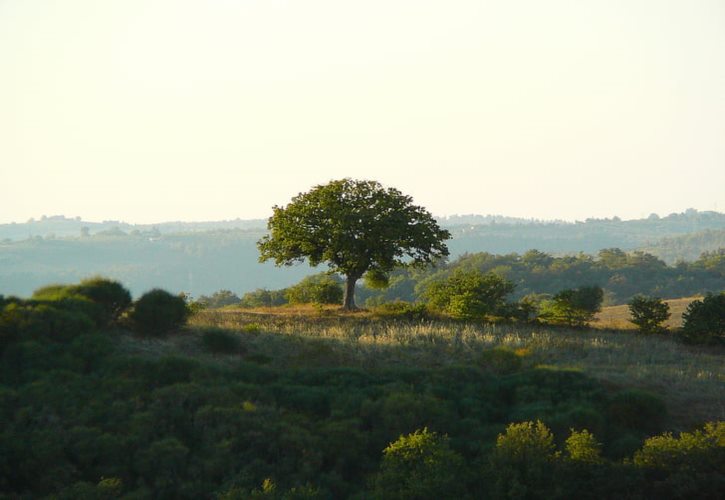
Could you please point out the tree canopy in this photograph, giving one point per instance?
(355, 226)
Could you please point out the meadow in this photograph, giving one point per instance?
(689, 378)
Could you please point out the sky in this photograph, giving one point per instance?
(156, 110)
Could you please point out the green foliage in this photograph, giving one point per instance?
(401, 310)
(28, 320)
(521, 464)
(103, 300)
(648, 313)
(376, 279)
(469, 294)
(637, 410)
(219, 341)
(158, 313)
(421, 466)
(689, 466)
(156, 424)
(573, 307)
(219, 299)
(704, 320)
(264, 298)
(109, 294)
(317, 289)
(500, 360)
(582, 446)
(355, 226)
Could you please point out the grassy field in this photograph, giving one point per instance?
(617, 317)
(690, 379)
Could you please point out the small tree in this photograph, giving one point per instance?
(648, 313)
(704, 320)
(356, 227)
(469, 294)
(158, 312)
(573, 307)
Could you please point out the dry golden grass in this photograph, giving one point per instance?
(617, 317)
(691, 380)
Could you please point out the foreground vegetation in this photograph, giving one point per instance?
(102, 403)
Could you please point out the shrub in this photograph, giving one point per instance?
(637, 410)
(689, 466)
(704, 320)
(469, 294)
(401, 310)
(573, 307)
(648, 313)
(158, 312)
(695, 451)
(317, 289)
(25, 321)
(581, 446)
(521, 463)
(420, 465)
(220, 342)
(113, 298)
(103, 300)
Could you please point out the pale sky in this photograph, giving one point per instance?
(154, 110)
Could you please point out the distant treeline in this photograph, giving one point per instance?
(201, 258)
(622, 275)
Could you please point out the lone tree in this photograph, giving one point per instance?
(648, 313)
(356, 227)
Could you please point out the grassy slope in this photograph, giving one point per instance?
(617, 317)
(689, 379)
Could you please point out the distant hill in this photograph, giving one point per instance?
(687, 247)
(203, 257)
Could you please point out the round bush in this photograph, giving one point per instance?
(220, 342)
(158, 312)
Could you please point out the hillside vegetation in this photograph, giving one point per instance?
(317, 404)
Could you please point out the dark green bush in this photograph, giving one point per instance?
(637, 410)
(158, 313)
(101, 299)
(219, 341)
(704, 320)
(28, 321)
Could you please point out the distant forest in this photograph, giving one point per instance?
(203, 257)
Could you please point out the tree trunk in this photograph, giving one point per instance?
(348, 302)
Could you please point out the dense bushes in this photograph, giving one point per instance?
(158, 312)
(100, 422)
